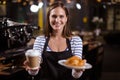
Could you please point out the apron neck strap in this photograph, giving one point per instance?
(69, 45)
(46, 43)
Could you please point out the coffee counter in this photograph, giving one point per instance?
(11, 62)
(93, 52)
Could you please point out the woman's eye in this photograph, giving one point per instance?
(54, 16)
(61, 16)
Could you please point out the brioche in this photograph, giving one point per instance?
(75, 61)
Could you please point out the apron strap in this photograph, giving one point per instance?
(69, 45)
(46, 43)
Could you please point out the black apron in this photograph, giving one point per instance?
(50, 69)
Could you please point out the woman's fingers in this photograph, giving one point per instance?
(26, 66)
(25, 63)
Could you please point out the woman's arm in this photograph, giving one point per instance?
(38, 45)
(77, 48)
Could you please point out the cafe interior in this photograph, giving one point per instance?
(97, 22)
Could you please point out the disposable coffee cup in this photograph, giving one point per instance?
(33, 58)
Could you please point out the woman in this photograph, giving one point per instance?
(58, 43)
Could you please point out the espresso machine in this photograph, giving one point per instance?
(13, 44)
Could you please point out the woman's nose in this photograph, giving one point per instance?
(57, 19)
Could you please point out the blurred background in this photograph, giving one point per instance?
(97, 22)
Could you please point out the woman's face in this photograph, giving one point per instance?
(57, 18)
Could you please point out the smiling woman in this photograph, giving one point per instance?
(56, 44)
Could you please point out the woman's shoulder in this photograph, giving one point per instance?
(41, 38)
(76, 41)
(76, 38)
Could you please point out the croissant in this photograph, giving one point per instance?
(75, 61)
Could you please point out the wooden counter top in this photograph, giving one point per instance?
(92, 45)
(10, 71)
(85, 43)
(2, 58)
(4, 73)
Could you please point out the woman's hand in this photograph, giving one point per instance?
(30, 70)
(33, 71)
(77, 73)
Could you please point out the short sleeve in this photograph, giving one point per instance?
(76, 46)
(39, 43)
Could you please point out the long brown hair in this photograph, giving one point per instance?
(48, 29)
